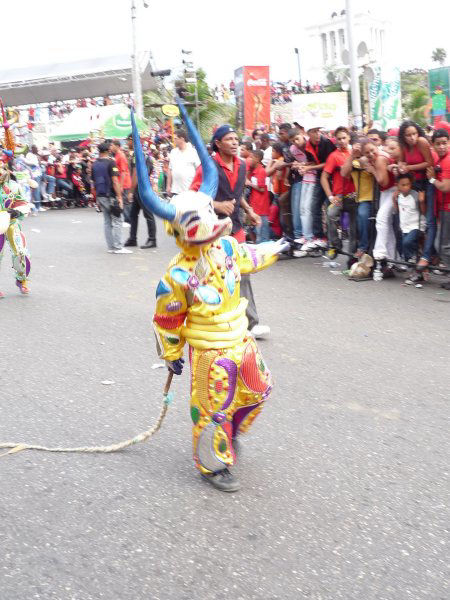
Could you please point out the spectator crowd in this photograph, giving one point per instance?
(380, 198)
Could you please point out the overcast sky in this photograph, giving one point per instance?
(223, 36)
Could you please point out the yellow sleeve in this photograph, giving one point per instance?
(255, 257)
(170, 314)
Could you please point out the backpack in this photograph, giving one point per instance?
(102, 177)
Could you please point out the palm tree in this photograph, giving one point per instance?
(439, 55)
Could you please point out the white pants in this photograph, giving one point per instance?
(385, 242)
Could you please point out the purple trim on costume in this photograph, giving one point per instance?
(228, 262)
(193, 282)
(219, 417)
(231, 369)
(240, 415)
(267, 392)
(253, 255)
(173, 306)
(2, 241)
(27, 266)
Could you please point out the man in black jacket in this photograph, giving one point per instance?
(136, 206)
(228, 203)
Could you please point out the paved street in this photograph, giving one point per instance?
(345, 474)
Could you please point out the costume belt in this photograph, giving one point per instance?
(217, 331)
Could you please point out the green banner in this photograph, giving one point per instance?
(439, 84)
(385, 98)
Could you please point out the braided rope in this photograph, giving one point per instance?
(141, 437)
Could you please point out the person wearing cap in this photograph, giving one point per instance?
(228, 201)
(317, 149)
(105, 176)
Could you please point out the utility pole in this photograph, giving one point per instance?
(135, 69)
(298, 64)
(354, 78)
(190, 75)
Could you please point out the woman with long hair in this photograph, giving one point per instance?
(416, 158)
(377, 164)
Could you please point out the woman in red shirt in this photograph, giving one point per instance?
(416, 158)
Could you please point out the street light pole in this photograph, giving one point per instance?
(135, 69)
(298, 64)
(354, 78)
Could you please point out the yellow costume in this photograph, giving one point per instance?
(198, 302)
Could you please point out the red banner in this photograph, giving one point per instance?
(252, 89)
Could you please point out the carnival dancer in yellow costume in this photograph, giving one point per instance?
(13, 209)
(198, 303)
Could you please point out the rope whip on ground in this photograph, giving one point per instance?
(141, 437)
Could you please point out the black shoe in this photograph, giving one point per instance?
(149, 244)
(414, 279)
(130, 243)
(223, 480)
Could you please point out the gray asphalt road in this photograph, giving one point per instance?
(345, 474)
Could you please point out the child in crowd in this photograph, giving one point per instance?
(78, 186)
(410, 205)
(259, 194)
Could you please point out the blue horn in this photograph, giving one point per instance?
(210, 174)
(151, 201)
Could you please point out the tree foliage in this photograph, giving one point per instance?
(415, 95)
(211, 112)
(439, 55)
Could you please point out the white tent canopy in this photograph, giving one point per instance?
(83, 123)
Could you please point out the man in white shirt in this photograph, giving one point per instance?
(32, 161)
(183, 162)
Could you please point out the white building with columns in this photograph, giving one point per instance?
(326, 42)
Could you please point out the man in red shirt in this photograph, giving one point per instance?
(341, 195)
(124, 175)
(229, 200)
(439, 176)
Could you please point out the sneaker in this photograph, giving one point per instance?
(129, 243)
(414, 279)
(301, 240)
(110, 251)
(42, 209)
(126, 225)
(123, 251)
(23, 287)
(259, 331)
(299, 253)
(223, 480)
(320, 242)
(309, 246)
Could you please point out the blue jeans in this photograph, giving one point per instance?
(296, 192)
(51, 184)
(306, 209)
(36, 192)
(263, 230)
(319, 198)
(428, 248)
(410, 243)
(62, 184)
(364, 210)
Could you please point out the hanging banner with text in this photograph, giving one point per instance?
(327, 110)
